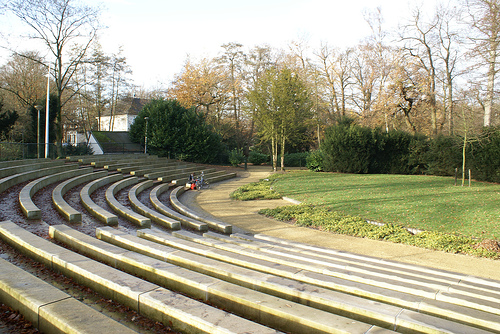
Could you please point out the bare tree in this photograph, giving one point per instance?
(59, 24)
(449, 43)
(233, 57)
(23, 76)
(420, 39)
(485, 20)
(336, 66)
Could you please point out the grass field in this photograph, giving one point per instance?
(423, 202)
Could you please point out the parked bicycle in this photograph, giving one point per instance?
(201, 183)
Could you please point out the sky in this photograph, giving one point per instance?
(157, 36)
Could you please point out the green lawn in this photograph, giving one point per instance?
(423, 202)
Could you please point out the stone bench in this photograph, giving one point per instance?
(12, 180)
(95, 210)
(121, 209)
(444, 287)
(87, 160)
(268, 310)
(50, 309)
(162, 208)
(376, 262)
(144, 210)
(215, 224)
(148, 299)
(67, 211)
(357, 308)
(154, 168)
(134, 163)
(12, 169)
(106, 163)
(29, 209)
(10, 163)
(477, 311)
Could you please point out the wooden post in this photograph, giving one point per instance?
(469, 177)
(456, 175)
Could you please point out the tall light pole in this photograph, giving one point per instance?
(146, 136)
(47, 117)
(38, 107)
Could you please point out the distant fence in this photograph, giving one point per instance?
(16, 151)
(118, 148)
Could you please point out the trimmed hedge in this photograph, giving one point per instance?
(351, 148)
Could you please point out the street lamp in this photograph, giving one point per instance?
(38, 107)
(146, 136)
(47, 117)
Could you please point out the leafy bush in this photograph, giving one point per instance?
(295, 159)
(256, 190)
(331, 221)
(80, 149)
(314, 161)
(236, 157)
(349, 148)
(258, 158)
(444, 155)
(485, 156)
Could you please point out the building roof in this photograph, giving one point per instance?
(129, 106)
(116, 142)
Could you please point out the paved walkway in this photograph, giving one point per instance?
(244, 218)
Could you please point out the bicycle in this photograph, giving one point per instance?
(201, 183)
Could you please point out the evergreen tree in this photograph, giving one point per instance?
(177, 132)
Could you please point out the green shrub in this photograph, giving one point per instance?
(258, 158)
(349, 148)
(295, 159)
(444, 155)
(485, 156)
(256, 190)
(236, 157)
(314, 161)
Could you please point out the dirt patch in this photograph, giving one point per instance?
(489, 244)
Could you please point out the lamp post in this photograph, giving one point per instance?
(38, 107)
(47, 117)
(146, 136)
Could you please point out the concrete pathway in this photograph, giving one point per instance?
(244, 217)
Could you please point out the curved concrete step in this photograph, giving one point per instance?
(95, 210)
(155, 216)
(271, 311)
(67, 211)
(28, 207)
(50, 309)
(162, 165)
(12, 180)
(261, 262)
(358, 308)
(217, 225)
(159, 304)
(158, 205)
(10, 168)
(121, 209)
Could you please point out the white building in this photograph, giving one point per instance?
(126, 111)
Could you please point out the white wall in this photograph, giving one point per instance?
(121, 122)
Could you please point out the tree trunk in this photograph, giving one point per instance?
(283, 153)
(490, 88)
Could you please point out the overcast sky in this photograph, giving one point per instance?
(158, 35)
